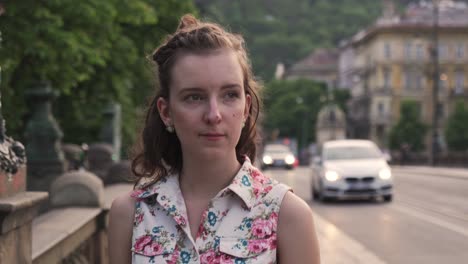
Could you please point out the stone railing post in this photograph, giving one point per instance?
(17, 207)
(43, 136)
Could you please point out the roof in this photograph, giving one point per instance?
(320, 59)
(452, 15)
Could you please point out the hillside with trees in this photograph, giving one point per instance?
(278, 31)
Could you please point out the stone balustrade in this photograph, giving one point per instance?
(75, 229)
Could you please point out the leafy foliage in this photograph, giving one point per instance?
(409, 129)
(457, 128)
(292, 107)
(286, 31)
(92, 52)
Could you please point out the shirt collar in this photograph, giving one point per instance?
(242, 185)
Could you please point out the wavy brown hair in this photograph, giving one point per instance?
(158, 153)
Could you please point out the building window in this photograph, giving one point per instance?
(418, 80)
(408, 50)
(387, 50)
(440, 110)
(460, 50)
(443, 51)
(381, 108)
(387, 76)
(407, 79)
(419, 52)
(459, 82)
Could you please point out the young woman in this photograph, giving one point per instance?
(204, 202)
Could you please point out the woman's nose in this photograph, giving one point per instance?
(213, 114)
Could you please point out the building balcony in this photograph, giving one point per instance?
(382, 90)
(381, 118)
(460, 93)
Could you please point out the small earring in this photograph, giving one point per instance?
(243, 124)
(170, 128)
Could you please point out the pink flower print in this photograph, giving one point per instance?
(262, 228)
(273, 220)
(180, 220)
(272, 243)
(226, 259)
(267, 189)
(139, 218)
(175, 256)
(137, 193)
(153, 249)
(208, 257)
(257, 246)
(141, 242)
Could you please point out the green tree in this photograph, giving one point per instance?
(409, 129)
(92, 52)
(456, 132)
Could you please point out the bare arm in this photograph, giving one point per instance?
(120, 229)
(297, 239)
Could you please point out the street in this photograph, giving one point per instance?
(426, 223)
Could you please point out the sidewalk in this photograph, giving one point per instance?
(338, 248)
(461, 173)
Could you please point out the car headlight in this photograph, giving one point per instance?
(289, 159)
(267, 160)
(332, 176)
(385, 174)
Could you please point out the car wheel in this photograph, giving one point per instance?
(388, 198)
(322, 197)
(315, 194)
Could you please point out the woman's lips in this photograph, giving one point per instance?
(212, 136)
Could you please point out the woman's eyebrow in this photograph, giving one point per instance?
(229, 86)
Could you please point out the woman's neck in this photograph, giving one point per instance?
(204, 179)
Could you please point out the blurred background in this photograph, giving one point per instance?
(75, 80)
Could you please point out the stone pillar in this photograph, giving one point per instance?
(120, 172)
(17, 207)
(43, 140)
(74, 155)
(100, 159)
(111, 130)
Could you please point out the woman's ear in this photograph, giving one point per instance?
(248, 103)
(164, 112)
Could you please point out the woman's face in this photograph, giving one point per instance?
(207, 104)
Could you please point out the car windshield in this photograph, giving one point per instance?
(276, 149)
(351, 152)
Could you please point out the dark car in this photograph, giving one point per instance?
(277, 155)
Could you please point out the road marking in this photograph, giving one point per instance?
(409, 201)
(337, 247)
(416, 212)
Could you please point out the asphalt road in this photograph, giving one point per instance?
(426, 223)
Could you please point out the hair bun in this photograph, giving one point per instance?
(187, 21)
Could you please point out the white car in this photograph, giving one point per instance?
(351, 169)
(277, 155)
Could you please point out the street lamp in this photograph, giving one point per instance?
(435, 83)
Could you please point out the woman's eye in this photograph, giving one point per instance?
(194, 97)
(232, 95)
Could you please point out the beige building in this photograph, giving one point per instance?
(321, 65)
(391, 62)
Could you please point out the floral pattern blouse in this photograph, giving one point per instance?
(238, 227)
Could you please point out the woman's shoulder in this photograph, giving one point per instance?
(123, 207)
(297, 239)
(293, 209)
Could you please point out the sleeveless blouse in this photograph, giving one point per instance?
(239, 226)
